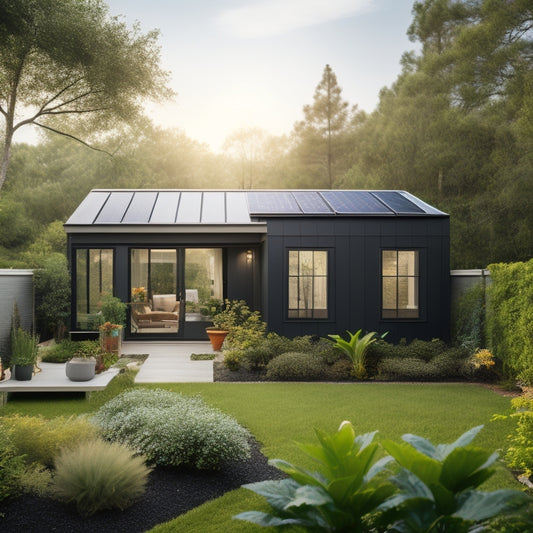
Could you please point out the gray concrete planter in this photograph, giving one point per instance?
(81, 369)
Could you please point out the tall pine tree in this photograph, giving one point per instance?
(321, 136)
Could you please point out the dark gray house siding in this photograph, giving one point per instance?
(256, 233)
(355, 247)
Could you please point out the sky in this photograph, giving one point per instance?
(255, 63)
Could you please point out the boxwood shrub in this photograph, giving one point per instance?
(274, 345)
(169, 428)
(445, 365)
(297, 366)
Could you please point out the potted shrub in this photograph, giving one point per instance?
(110, 338)
(236, 322)
(223, 318)
(83, 365)
(23, 354)
(114, 315)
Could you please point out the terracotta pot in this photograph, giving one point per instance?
(216, 336)
(111, 342)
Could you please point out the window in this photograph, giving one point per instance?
(308, 284)
(94, 278)
(399, 269)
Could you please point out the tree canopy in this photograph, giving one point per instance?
(455, 129)
(68, 67)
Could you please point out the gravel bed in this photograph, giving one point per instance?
(170, 493)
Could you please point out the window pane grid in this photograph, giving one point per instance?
(308, 284)
(94, 279)
(400, 282)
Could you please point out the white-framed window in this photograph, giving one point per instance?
(308, 284)
(400, 283)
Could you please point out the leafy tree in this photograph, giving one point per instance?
(322, 135)
(52, 296)
(72, 68)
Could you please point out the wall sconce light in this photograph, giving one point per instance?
(249, 256)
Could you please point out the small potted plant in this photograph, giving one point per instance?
(82, 366)
(114, 313)
(222, 318)
(23, 354)
(110, 337)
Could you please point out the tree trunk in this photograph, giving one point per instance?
(6, 154)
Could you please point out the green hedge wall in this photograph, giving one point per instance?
(509, 321)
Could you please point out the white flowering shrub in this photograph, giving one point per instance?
(169, 428)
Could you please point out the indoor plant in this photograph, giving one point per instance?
(23, 353)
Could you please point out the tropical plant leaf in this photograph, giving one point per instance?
(364, 440)
(411, 485)
(277, 493)
(464, 440)
(421, 465)
(378, 467)
(477, 506)
(422, 445)
(268, 520)
(300, 475)
(309, 495)
(466, 468)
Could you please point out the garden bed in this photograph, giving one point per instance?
(170, 493)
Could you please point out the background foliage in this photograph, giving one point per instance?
(454, 129)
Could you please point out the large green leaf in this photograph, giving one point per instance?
(277, 493)
(464, 440)
(477, 506)
(422, 445)
(299, 474)
(378, 467)
(411, 488)
(466, 468)
(268, 520)
(423, 466)
(309, 495)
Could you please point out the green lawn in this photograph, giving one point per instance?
(278, 414)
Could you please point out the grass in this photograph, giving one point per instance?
(278, 414)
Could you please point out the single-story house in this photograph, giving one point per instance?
(312, 261)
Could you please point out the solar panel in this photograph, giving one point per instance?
(272, 203)
(165, 208)
(397, 202)
(354, 203)
(213, 208)
(140, 208)
(189, 208)
(114, 209)
(236, 208)
(89, 208)
(311, 203)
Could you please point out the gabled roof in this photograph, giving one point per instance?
(231, 210)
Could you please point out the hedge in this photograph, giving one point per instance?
(510, 316)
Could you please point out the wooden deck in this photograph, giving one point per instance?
(52, 378)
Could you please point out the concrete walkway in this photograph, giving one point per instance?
(170, 362)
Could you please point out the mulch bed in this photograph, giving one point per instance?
(170, 493)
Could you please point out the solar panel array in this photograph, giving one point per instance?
(237, 207)
(333, 202)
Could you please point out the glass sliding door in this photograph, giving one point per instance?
(203, 282)
(155, 301)
(172, 291)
